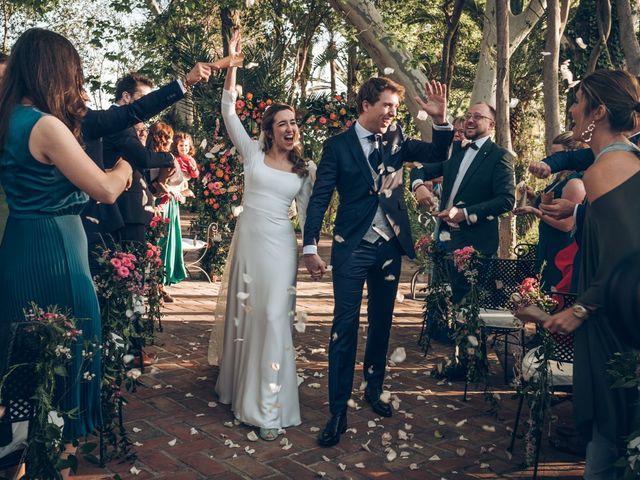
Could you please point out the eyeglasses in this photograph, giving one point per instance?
(142, 130)
(476, 116)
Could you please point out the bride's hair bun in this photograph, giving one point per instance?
(637, 107)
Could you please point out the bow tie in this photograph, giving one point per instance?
(471, 145)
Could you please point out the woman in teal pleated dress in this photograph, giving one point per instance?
(48, 178)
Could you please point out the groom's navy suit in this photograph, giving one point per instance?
(345, 168)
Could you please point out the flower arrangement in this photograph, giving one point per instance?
(331, 114)
(46, 345)
(529, 294)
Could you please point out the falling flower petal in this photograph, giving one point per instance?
(422, 115)
(275, 388)
(291, 290)
(388, 71)
(359, 465)
(351, 403)
(399, 355)
(390, 278)
(134, 471)
(193, 431)
(212, 404)
(473, 218)
(391, 455)
(314, 429)
(242, 296)
(203, 144)
(545, 54)
(251, 65)
(434, 458)
(96, 221)
(136, 430)
(237, 210)
(338, 238)
(399, 297)
(461, 423)
(387, 263)
(444, 236)
(247, 278)
(172, 442)
(514, 102)
(580, 43)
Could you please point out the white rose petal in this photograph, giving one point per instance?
(513, 103)
(461, 423)
(546, 54)
(314, 429)
(580, 43)
(444, 236)
(385, 396)
(242, 296)
(460, 452)
(193, 431)
(250, 451)
(488, 428)
(127, 358)
(291, 290)
(422, 115)
(314, 385)
(473, 341)
(134, 471)
(390, 278)
(300, 327)
(338, 238)
(203, 144)
(252, 437)
(473, 218)
(391, 455)
(96, 221)
(325, 458)
(434, 458)
(388, 71)
(275, 366)
(237, 210)
(247, 278)
(171, 443)
(413, 466)
(359, 465)
(275, 388)
(250, 65)
(212, 404)
(399, 355)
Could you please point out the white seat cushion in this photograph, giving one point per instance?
(190, 244)
(499, 319)
(561, 373)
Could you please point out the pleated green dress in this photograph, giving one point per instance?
(171, 246)
(44, 259)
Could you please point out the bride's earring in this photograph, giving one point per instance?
(587, 135)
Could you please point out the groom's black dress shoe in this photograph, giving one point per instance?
(335, 427)
(372, 395)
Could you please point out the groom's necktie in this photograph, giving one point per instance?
(375, 157)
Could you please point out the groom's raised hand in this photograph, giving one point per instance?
(315, 265)
(435, 103)
(200, 72)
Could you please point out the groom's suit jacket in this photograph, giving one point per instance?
(344, 167)
(487, 191)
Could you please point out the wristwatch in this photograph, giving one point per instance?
(580, 311)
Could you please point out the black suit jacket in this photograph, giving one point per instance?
(101, 123)
(487, 191)
(578, 160)
(344, 167)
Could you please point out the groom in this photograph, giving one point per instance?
(371, 233)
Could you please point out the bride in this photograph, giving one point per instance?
(252, 336)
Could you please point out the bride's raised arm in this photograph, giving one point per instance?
(245, 145)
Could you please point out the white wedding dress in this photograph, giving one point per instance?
(251, 339)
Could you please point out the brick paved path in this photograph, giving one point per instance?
(183, 434)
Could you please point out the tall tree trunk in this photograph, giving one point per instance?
(450, 38)
(352, 63)
(503, 132)
(603, 19)
(333, 48)
(627, 27)
(557, 15)
(363, 15)
(228, 21)
(484, 85)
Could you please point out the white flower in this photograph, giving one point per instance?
(445, 236)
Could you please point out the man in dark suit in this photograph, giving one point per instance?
(101, 221)
(365, 166)
(478, 187)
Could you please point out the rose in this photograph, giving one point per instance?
(116, 262)
(322, 120)
(123, 272)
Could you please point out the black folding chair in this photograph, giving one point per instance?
(499, 278)
(18, 391)
(561, 358)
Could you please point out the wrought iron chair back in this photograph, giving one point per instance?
(19, 388)
(525, 251)
(563, 347)
(500, 277)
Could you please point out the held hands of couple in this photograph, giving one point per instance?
(315, 265)
(435, 103)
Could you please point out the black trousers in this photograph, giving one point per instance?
(379, 265)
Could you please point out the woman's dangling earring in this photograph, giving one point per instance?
(587, 135)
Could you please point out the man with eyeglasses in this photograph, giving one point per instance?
(477, 188)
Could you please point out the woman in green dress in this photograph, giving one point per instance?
(48, 178)
(607, 105)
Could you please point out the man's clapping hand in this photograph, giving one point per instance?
(559, 209)
(540, 170)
